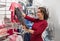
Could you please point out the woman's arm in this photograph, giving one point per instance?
(28, 18)
(28, 30)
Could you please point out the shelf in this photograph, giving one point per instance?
(2, 5)
(3, 35)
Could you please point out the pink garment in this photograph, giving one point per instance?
(12, 8)
(15, 37)
(3, 31)
(2, 26)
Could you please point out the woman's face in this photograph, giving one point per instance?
(39, 14)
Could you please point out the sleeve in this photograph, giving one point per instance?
(40, 30)
(30, 18)
(11, 8)
(12, 17)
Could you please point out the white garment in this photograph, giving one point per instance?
(19, 38)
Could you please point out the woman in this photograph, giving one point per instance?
(39, 25)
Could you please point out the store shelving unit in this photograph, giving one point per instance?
(4, 12)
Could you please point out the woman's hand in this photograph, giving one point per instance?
(23, 14)
(28, 30)
(31, 31)
(24, 27)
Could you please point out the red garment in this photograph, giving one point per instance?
(39, 26)
(11, 31)
(12, 8)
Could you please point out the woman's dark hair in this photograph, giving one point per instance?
(45, 12)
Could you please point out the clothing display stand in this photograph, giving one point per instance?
(3, 37)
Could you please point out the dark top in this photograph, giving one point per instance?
(39, 26)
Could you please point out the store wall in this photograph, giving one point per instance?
(54, 5)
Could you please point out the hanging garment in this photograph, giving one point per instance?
(3, 31)
(11, 31)
(12, 8)
(15, 37)
(18, 13)
(30, 2)
(2, 26)
(27, 37)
